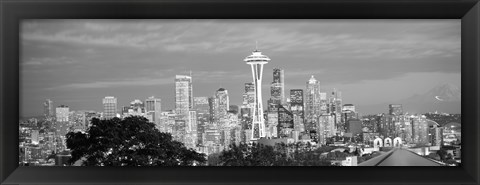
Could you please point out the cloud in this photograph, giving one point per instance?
(194, 36)
(48, 61)
(111, 84)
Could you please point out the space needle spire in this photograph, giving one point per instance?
(256, 61)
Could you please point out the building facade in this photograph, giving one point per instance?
(109, 107)
(48, 108)
(183, 91)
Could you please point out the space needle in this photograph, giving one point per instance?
(256, 61)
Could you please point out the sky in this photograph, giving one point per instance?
(79, 62)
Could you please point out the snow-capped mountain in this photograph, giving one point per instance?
(443, 98)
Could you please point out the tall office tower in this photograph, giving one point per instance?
(202, 108)
(249, 95)
(419, 130)
(48, 108)
(62, 113)
(296, 106)
(213, 104)
(183, 99)
(109, 107)
(323, 103)
(167, 122)
(336, 101)
(278, 85)
(191, 130)
(395, 109)
(256, 61)
(285, 122)
(154, 106)
(312, 104)
(326, 128)
(277, 91)
(336, 109)
(223, 104)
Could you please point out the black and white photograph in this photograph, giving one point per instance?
(234, 92)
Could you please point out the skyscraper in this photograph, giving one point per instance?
(336, 109)
(48, 108)
(249, 95)
(296, 106)
(323, 103)
(278, 85)
(419, 129)
(312, 104)
(256, 61)
(285, 122)
(154, 106)
(62, 113)
(109, 107)
(223, 104)
(213, 104)
(191, 130)
(276, 91)
(202, 108)
(183, 92)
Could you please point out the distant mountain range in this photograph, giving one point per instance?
(442, 98)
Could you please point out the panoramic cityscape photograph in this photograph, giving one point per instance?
(231, 92)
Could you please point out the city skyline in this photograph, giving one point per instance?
(76, 63)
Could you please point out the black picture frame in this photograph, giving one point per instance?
(12, 11)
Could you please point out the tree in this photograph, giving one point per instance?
(132, 141)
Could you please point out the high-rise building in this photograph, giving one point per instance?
(419, 129)
(312, 104)
(109, 107)
(200, 105)
(213, 104)
(183, 92)
(202, 108)
(324, 109)
(326, 128)
(48, 108)
(223, 104)
(297, 108)
(78, 121)
(249, 95)
(395, 109)
(153, 106)
(62, 113)
(285, 124)
(256, 61)
(335, 108)
(191, 130)
(277, 91)
(278, 85)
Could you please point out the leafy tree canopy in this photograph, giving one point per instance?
(132, 141)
